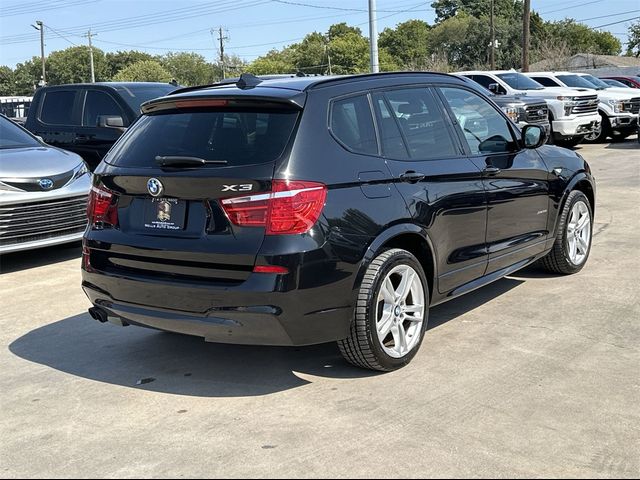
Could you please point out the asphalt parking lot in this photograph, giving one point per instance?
(533, 376)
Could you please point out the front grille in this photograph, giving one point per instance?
(33, 185)
(586, 105)
(537, 113)
(30, 222)
(632, 105)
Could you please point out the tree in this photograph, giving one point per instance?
(120, 60)
(274, 62)
(143, 71)
(583, 39)
(189, 69)
(72, 65)
(407, 44)
(462, 41)
(633, 45)
(27, 75)
(7, 81)
(446, 9)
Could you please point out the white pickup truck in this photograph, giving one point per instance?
(573, 115)
(618, 107)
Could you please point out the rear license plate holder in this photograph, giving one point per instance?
(164, 214)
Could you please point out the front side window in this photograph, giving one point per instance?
(486, 130)
(57, 107)
(99, 104)
(575, 81)
(421, 123)
(352, 124)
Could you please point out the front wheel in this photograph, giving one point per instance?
(600, 134)
(391, 313)
(573, 240)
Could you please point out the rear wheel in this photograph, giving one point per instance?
(391, 313)
(573, 240)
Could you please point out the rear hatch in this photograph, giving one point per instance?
(164, 183)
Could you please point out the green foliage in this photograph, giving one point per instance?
(633, 45)
(462, 40)
(407, 44)
(72, 65)
(7, 85)
(446, 9)
(143, 71)
(120, 60)
(582, 39)
(27, 75)
(189, 69)
(275, 61)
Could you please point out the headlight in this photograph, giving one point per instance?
(512, 112)
(82, 169)
(618, 106)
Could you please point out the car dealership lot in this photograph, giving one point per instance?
(534, 375)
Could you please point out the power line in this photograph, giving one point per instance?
(607, 16)
(616, 23)
(42, 7)
(60, 35)
(571, 7)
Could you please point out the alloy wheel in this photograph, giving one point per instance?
(578, 233)
(400, 311)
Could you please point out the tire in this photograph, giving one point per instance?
(569, 143)
(561, 258)
(363, 348)
(600, 135)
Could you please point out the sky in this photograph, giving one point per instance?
(252, 27)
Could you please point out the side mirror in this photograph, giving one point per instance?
(110, 121)
(533, 136)
(495, 89)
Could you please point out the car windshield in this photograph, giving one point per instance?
(615, 83)
(519, 81)
(12, 136)
(595, 81)
(136, 95)
(576, 81)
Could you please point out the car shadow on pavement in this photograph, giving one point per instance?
(14, 262)
(181, 365)
(628, 144)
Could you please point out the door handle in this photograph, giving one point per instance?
(491, 170)
(84, 137)
(412, 177)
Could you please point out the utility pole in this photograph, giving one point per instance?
(526, 35)
(373, 36)
(328, 54)
(40, 26)
(493, 37)
(93, 73)
(221, 39)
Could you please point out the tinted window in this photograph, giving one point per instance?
(135, 95)
(57, 108)
(97, 104)
(239, 137)
(519, 81)
(547, 82)
(595, 81)
(12, 136)
(352, 124)
(484, 128)
(421, 123)
(393, 145)
(575, 81)
(483, 80)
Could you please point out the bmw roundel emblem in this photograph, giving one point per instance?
(46, 184)
(155, 187)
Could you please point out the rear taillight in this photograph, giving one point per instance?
(292, 207)
(102, 208)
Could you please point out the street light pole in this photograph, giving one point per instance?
(373, 36)
(526, 32)
(93, 73)
(493, 37)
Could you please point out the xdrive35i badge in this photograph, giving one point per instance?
(155, 187)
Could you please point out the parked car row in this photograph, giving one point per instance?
(580, 106)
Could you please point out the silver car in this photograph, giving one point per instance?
(43, 191)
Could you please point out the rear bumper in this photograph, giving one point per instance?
(257, 312)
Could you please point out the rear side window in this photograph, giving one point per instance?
(57, 108)
(393, 145)
(99, 104)
(421, 123)
(238, 137)
(547, 82)
(352, 124)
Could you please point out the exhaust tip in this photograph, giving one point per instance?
(98, 314)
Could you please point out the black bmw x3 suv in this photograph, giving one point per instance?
(308, 210)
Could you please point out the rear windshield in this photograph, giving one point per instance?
(238, 137)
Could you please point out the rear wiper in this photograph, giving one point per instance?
(179, 161)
